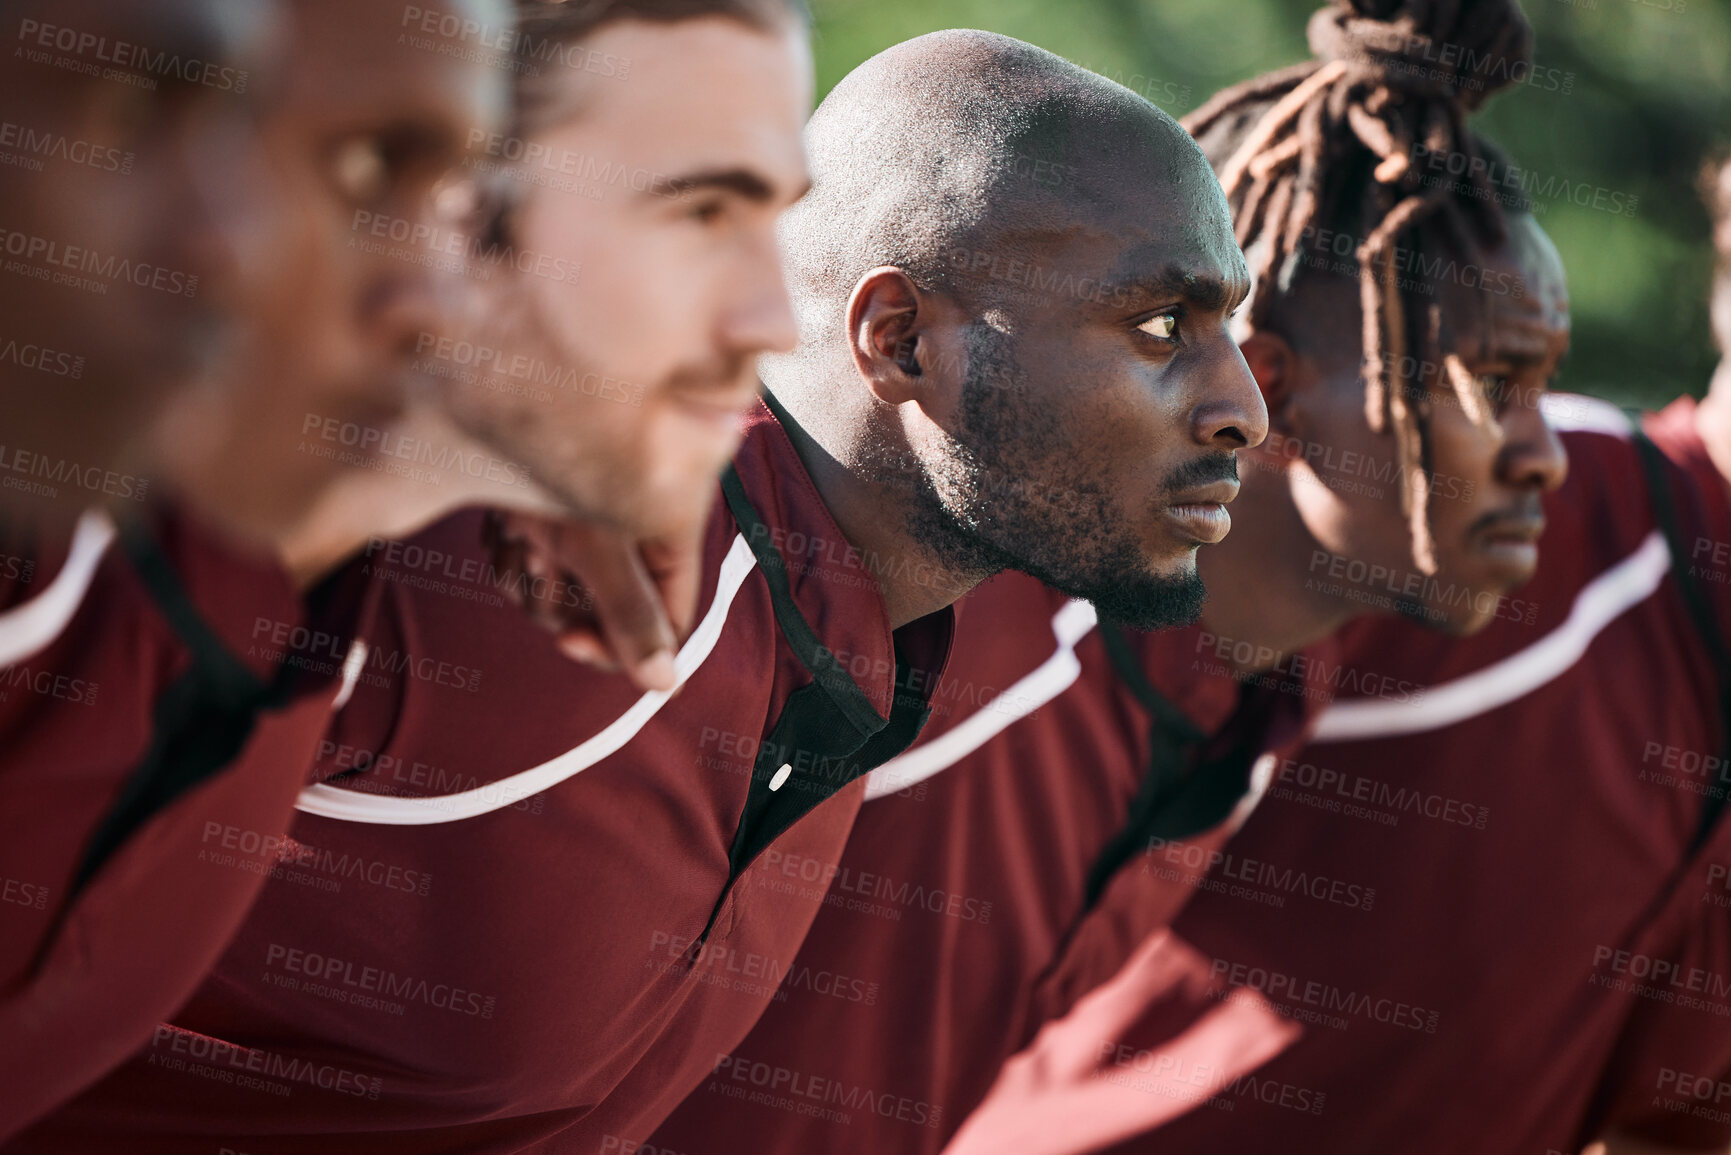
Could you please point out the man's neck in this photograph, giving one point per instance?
(1261, 588)
(873, 518)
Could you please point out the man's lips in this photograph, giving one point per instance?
(730, 406)
(1200, 513)
(1517, 528)
(1514, 539)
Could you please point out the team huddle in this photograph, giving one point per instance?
(553, 599)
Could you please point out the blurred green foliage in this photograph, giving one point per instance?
(1626, 100)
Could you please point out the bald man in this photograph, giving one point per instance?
(574, 912)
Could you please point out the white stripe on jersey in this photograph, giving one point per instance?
(1045, 682)
(1566, 412)
(378, 809)
(29, 628)
(1574, 413)
(1600, 602)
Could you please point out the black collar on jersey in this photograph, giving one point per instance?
(198, 723)
(1708, 629)
(851, 701)
(828, 734)
(1194, 780)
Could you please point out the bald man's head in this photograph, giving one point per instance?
(1030, 268)
(956, 147)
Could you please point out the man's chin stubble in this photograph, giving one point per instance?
(1149, 602)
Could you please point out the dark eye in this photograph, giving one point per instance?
(1162, 325)
(1498, 391)
(708, 210)
(372, 166)
(360, 169)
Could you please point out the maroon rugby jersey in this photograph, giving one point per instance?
(963, 892)
(110, 913)
(1547, 960)
(529, 903)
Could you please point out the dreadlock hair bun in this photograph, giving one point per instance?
(1331, 143)
(1440, 50)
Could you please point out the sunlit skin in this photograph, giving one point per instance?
(367, 130)
(1308, 503)
(176, 185)
(680, 284)
(1120, 371)
(1112, 397)
(1157, 366)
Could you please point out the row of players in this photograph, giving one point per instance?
(903, 818)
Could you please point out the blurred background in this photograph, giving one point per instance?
(1626, 100)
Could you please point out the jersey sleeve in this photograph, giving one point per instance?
(1668, 1080)
(1163, 1038)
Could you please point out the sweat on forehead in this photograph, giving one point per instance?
(957, 140)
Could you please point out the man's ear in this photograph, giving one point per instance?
(888, 322)
(1276, 367)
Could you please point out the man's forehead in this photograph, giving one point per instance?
(1185, 263)
(1121, 270)
(703, 94)
(1173, 225)
(1542, 267)
(230, 32)
(1516, 306)
(352, 63)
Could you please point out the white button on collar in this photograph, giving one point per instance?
(781, 776)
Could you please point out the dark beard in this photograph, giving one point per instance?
(1146, 601)
(1064, 534)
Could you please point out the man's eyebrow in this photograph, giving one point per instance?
(1204, 291)
(183, 40)
(418, 134)
(739, 181)
(1527, 362)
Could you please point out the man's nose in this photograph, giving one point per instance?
(1229, 412)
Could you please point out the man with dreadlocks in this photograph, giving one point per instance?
(1547, 967)
(1009, 861)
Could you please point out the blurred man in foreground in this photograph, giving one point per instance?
(134, 675)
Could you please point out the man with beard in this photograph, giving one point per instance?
(628, 277)
(1082, 778)
(554, 902)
